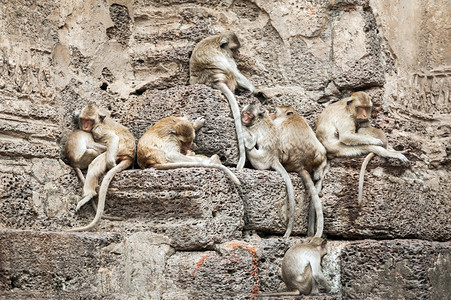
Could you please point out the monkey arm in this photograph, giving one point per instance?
(243, 82)
(317, 274)
(198, 123)
(355, 139)
(112, 149)
(96, 146)
(249, 140)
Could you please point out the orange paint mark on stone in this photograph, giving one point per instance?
(200, 262)
(253, 252)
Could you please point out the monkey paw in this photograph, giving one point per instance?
(84, 201)
(198, 123)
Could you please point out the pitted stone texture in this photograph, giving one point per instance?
(266, 204)
(202, 275)
(410, 269)
(217, 136)
(194, 207)
(395, 204)
(53, 265)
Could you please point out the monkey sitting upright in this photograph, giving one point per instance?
(120, 148)
(301, 269)
(167, 144)
(262, 144)
(338, 126)
(212, 62)
(304, 154)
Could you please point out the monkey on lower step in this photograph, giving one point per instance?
(301, 269)
(120, 148)
(167, 144)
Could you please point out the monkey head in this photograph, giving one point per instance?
(360, 106)
(184, 133)
(251, 113)
(319, 244)
(90, 116)
(230, 43)
(282, 111)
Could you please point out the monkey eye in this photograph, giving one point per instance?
(289, 113)
(261, 115)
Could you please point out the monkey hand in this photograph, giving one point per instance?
(110, 163)
(400, 156)
(198, 123)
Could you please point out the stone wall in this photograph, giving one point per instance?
(193, 234)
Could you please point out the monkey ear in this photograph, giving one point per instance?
(324, 243)
(289, 113)
(102, 116)
(349, 101)
(172, 131)
(76, 113)
(223, 42)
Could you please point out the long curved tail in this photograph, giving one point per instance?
(237, 118)
(290, 195)
(167, 166)
(102, 194)
(308, 183)
(362, 175)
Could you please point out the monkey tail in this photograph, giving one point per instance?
(237, 118)
(102, 194)
(290, 195)
(362, 175)
(310, 187)
(280, 294)
(167, 166)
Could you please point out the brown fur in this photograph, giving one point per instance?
(304, 154)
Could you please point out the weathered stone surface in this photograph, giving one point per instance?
(395, 205)
(194, 207)
(34, 263)
(410, 269)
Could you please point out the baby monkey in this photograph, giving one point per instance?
(167, 145)
(301, 269)
(262, 143)
(81, 149)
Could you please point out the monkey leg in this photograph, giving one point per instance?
(310, 187)
(80, 175)
(102, 193)
(95, 170)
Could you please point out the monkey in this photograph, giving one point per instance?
(301, 269)
(262, 145)
(80, 149)
(304, 154)
(167, 144)
(213, 63)
(345, 131)
(119, 155)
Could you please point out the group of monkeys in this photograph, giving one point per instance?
(282, 141)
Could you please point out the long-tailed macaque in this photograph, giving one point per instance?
(344, 129)
(81, 149)
(301, 269)
(262, 144)
(167, 144)
(212, 62)
(304, 154)
(120, 145)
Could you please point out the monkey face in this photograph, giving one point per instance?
(247, 118)
(86, 124)
(363, 113)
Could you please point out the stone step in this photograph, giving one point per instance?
(59, 265)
